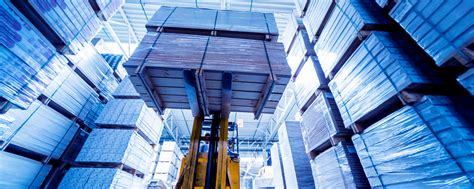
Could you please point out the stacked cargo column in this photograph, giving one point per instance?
(382, 85)
(53, 87)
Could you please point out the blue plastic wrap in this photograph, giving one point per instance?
(345, 24)
(115, 62)
(96, 69)
(427, 146)
(467, 80)
(20, 172)
(296, 166)
(39, 129)
(309, 81)
(339, 167)
(107, 8)
(100, 178)
(315, 15)
(72, 93)
(380, 67)
(117, 146)
(75, 22)
(277, 165)
(131, 113)
(320, 122)
(442, 28)
(126, 90)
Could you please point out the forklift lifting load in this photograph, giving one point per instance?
(212, 62)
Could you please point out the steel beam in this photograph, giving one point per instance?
(191, 92)
(130, 28)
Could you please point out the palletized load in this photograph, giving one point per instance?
(423, 146)
(132, 113)
(105, 9)
(316, 17)
(383, 66)
(125, 90)
(443, 29)
(467, 80)
(349, 22)
(321, 123)
(109, 178)
(29, 60)
(223, 22)
(339, 167)
(20, 172)
(39, 129)
(116, 63)
(296, 166)
(169, 163)
(297, 45)
(257, 67)
(117, 146)
(309, 81)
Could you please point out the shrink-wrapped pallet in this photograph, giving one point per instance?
(115, 62)
(39, 129)
(320, 122)
(105, 9)
(20, 172)
(117, 146)
(429, 145)
(126, 90)
(74, 23)
(309, 81)
(299, 51)
(317, 13)
(467, 80)
(132, 113)
(296, 165)
(339, 167)
(292, 27)
(443, 29)
(382, 66)
(100, 178)
(349, 20)
(277, 166)
(169, 162)
(29, 60)
(72, 94)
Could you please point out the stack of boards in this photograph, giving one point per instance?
(240, 43)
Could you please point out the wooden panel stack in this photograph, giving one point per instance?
(316, 17)
(259, 68)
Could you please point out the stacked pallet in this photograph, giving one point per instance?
(95, 70)
(169, 163)
(321, 124)
(383, 66)
(467, 80)
(38, 129)
(259, 69)
(297, 44)
(309, 82)
(316, 17)
(132, 114)
(21, 172)
(296, 167)
(339, 167)
(29, 60)
(426, 145)
(117, 147)
(126, 90)
(277, 165)
(443, 30)
(116, 63)
(301, 6)
(105, 9)
(350, 21)
(100, 178)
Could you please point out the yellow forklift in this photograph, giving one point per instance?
(213, 159)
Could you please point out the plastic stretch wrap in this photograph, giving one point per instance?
(126, 90)
(100, 178)
(72, 93)
(292, 27)
(93, 114)
(427, 146)
(74, 22)
(132, 113)
(339, 167)
(443, 29)
(467, 80)
(107, 8)
(300, 49)
(347, 20)
(95, 69)
(169, 162)
(277, 166)
(313, 19)
(39, 129)
(380, 67)
(20, 172)
(29, 61)
(321, 121)
(115, 62)
(296, 166)
(117, 146)
(309, 80)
